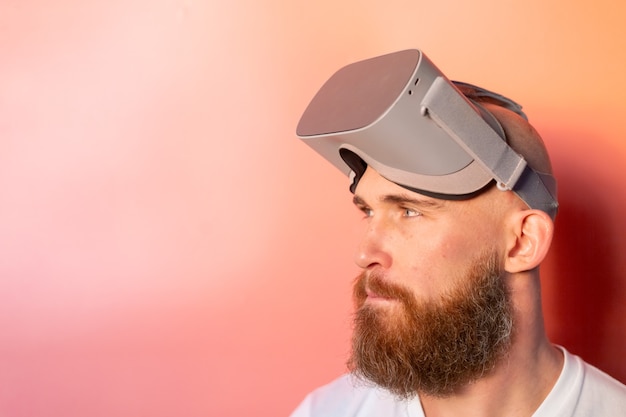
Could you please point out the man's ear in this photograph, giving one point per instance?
(529, 238)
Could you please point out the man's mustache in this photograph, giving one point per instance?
(375, 283)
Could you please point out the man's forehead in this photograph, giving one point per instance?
(373, 186)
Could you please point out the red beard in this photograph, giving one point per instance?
(432, 348)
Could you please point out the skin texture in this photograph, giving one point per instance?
(428, 247)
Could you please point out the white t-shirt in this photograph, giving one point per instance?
(581, 391)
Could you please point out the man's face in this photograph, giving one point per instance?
(432, 310)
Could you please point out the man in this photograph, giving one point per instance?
(458, 200)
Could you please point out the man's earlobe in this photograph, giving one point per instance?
(528, 241)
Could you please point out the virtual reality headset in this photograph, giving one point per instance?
(400, 115)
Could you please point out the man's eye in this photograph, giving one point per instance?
(410, 212)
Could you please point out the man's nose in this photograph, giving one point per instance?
(373, 248)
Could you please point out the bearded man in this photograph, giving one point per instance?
(458, 203)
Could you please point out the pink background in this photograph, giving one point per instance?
(168, 247)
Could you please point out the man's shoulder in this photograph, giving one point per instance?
(348, 396)
(584, 390)
(601, 393)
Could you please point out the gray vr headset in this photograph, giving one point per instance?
(400, 115)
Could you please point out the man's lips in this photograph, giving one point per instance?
(374, 296)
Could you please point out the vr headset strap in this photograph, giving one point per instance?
(456, 116)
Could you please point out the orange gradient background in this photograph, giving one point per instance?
(168, 247)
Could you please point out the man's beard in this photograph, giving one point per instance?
(435, 347)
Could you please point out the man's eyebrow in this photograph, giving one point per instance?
(358, 201)
(400, 199)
